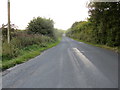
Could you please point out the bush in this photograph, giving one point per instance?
(21, 41)
(9, 51)
(41, 26)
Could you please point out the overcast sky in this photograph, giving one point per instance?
(63, 12)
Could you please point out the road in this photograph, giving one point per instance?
(71, 64)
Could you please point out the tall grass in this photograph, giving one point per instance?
(26, 54)
(21, 40)
(24, 46)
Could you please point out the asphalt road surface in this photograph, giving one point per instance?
(71, 64)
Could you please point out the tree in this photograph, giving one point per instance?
(105, 19)
(102, 27)
(4, 30)
(42, 26)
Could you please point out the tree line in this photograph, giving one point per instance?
(102, 26)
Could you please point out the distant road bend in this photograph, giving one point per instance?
(71, 64)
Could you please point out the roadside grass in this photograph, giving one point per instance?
(115, 49)
(28, 53)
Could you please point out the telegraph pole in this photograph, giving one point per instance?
(8, 32)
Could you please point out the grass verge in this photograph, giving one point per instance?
(116, 49)
(26, 54)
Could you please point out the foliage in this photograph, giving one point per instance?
(4, 30)
(25, 44)
(58, 33)
(26, 54)
(102, 27)
(22, 40)
(40, 32)
(41, 26)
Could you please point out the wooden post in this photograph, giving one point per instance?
(8, 32)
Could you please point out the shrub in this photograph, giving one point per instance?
(21, 41)
(42, 26)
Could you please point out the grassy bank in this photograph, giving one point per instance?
(101, 46)
(27, 53)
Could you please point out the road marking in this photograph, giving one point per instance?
(72, 56)
(84, 59)
(92, 68)
(80, 42)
